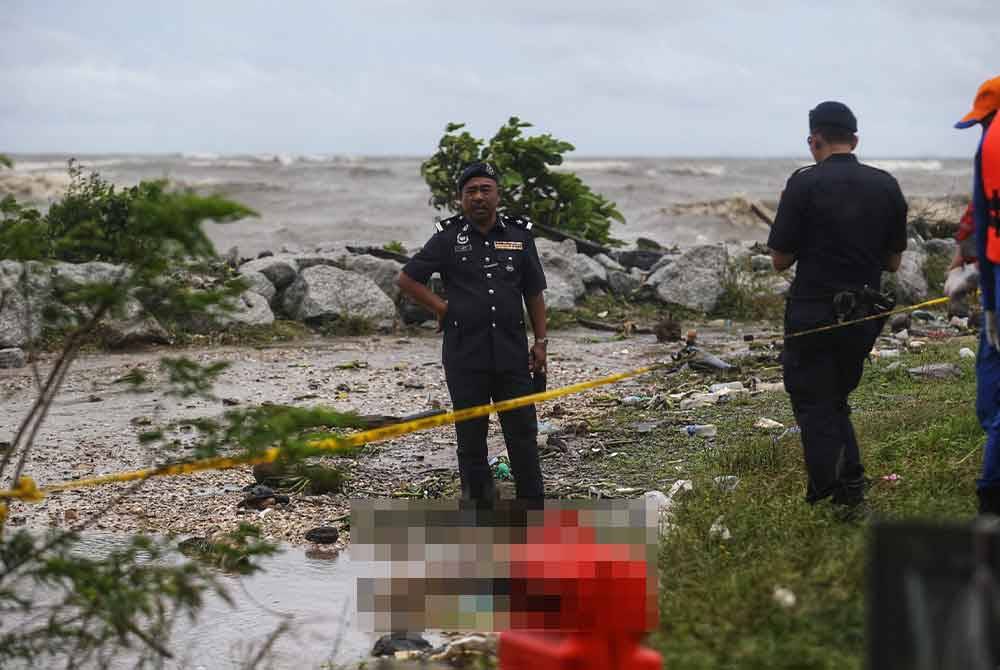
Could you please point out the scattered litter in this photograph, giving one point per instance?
(966, 352)
(644, 426)
(503, 472)
(923, 315)
(936, 371)
(771, 387)
(960, 322)
(699, 400)
(547, 427)
(635, 400)
(678, 486)
(916, 345)
(893, 478)
(886, 353)
(768, 424)
(730, 386)
(707, 362)
(784, 597)
(727, 483)
(705, 430)
(902, 335)
(894, 366)
(719, 530)
(603, 314)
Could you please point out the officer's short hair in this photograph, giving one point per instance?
(833, 134)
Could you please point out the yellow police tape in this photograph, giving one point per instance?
(26, 489)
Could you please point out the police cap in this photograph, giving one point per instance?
(831, 113)
(477, 169)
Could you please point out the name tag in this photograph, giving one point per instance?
(463, 247)
(509, 246)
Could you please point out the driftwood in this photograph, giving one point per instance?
(369, 421)
(379, 252)
(628, 327)
(583, 246)
(762, 212)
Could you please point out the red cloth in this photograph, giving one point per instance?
(967, 225)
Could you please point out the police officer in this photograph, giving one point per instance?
(490, 269)
(986, 213)
(842, 223)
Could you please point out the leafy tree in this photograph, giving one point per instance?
(59, 606)
(529, 187)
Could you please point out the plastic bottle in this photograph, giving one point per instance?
(704, 430)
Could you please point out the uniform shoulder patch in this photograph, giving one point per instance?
(522, 222)
(803, 169)
(444, 224)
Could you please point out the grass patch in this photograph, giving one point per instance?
(717, 609)
(250, 336)
(615, 309)
(748, 295)
(936, 271)
(346, 325)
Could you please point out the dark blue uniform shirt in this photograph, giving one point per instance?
(486, 278)
(842, 218)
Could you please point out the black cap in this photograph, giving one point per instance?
(832, 113)
(478, 169)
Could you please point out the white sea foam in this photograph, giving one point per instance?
(907, 165)
(594, 166)
(695, 170)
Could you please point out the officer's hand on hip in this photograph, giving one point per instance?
(536, 359)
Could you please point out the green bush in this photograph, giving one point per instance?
(528, 187)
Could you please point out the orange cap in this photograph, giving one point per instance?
(987, 101)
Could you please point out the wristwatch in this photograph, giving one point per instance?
(541, 340)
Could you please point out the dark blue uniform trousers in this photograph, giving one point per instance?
(469, 388)
(988, 410)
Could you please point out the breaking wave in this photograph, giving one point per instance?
(891, 165)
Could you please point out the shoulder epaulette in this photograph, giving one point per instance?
(804, 168)
(444, 224)
(522, 222)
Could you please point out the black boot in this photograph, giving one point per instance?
(850, 499)
(989, 500)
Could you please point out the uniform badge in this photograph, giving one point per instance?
(509, 246)
(509, 268)
(462, 238)
(463, 247)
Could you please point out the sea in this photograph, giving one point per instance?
(304, 201)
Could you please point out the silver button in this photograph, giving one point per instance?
(487, 259)
(491, 291)
(463, 258)
(493, 307)
(486, 244)
(494, 325)
(489, 276)
(456, 323)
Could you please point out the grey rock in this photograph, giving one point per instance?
(591, 272)
(249, 309)
(13, 358)
(279, 270)
(382, 271)
(291, 248)
(659, 271)
(134, 326)
(908, 284)
(325, 293)
(899, 322)
(323, 534)
(694, 280)
(411, 312)
(337, 258)
(761, 263)
(22, 302)
(259, 284)
(550, 249)
(665, 260)
(644, 259)
(621, 283)
(68, 276)
(388, 645)
(232, 257)
(942, 247)
(564, 284)
(609, 263)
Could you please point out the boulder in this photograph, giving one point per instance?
(908, 284)
(695, 278)
(249, 309)
(22, 303)
(591, 272)
(133, 326)
(334, 257)
(69, 276)
(382, 271)
(411, 312)
(621, 283)
(609, 263)
(564, 287)
(944, 248)
(326, 293)
(665, 260)
(644, 259)
(259, 284)
(280, 270)
(658, 272)
(13, 358)
(549, 249)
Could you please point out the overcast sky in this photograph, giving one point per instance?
(622, 77)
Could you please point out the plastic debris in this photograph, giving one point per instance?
(902, 335)
(771, 387)
(719, 530)
(547, 427)
(936, 370)
(960, 322)
(634, 400)
(886, 353)
(730, 386)
(768, 424)
(966, 352)
(784, 597)
(893, 478)
(701, 430)
(727, 483)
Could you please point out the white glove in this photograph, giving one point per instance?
(990, 324)
(961, 280)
